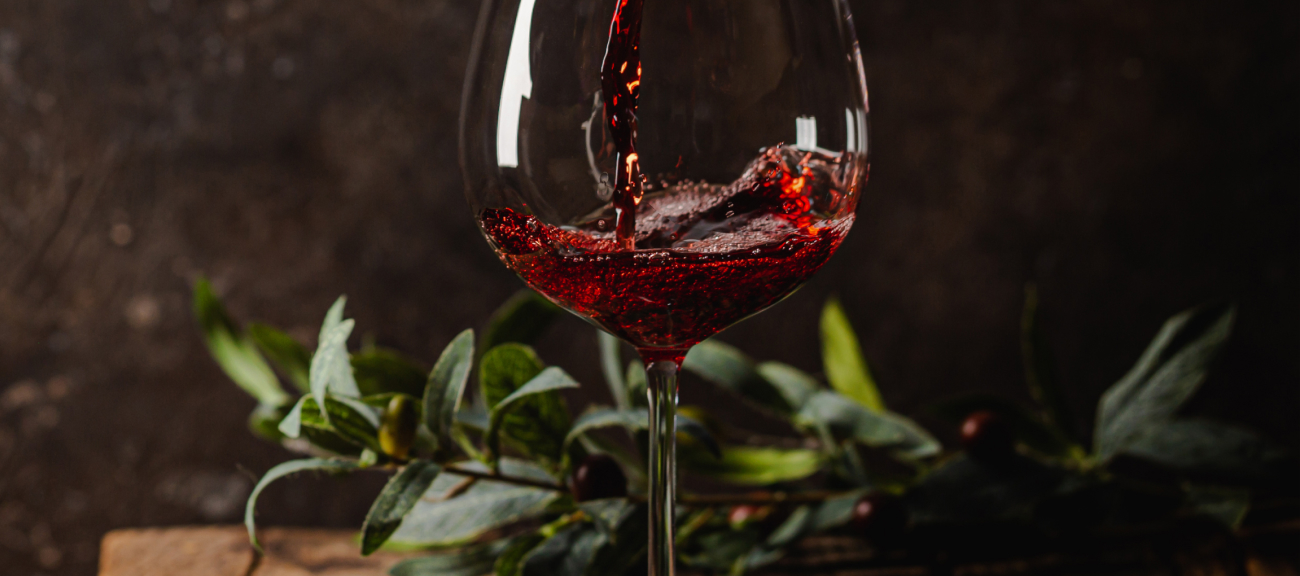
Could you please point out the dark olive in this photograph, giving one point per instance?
(880, 516)
(597, 476)
(986, 435)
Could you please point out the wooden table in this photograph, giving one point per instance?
(224, 551)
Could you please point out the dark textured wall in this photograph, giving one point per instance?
(1132, 157)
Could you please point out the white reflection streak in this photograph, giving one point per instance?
(851, 122)
(518, 85)
(805, 130)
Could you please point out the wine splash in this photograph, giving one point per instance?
(708, 255)
(620, 83)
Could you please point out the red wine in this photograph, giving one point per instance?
(707, 255)
(620, 85)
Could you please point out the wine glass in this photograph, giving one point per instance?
(664, 168)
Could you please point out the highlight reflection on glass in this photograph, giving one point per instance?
(517, 86)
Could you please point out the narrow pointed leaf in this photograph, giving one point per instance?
(510, 562)
(607, 418)
(293, 359)
(803, 522)
(538, 423)
(379, 370)
(486, 506)
(280, 471)
(965, 490)
(699, 433)
(348, 420)
(333, 317)
(639, 419)
(795, 385)
(846, 370)
(1209, 451)
(233, 351)
(637, 382)
(735, 372)
(330, 370)
(354, 420)
(1040, 368)
(399, 496)
(265, 421)
(845, 419)
(520, 319)
(446, 387)
(1168, 373)
(757, 466)
(1227, 505)
(625, 540)
(611, 362)
(567, 553)
(473, 561)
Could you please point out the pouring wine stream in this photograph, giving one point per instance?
(620, 80)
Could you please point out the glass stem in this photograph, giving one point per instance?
(661, 372)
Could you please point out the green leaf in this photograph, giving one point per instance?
(538, 424)
(623, 525)
(1170, 370)
(379, 370)
(1040, 369)
(721, 550)
(566, 553)
(638, 419)
(333, 317)
(1028, 426)
(520, 319)
(533, 416)
(397, 499)
(1227, 505)
(964, 490)
(637, 383)
(291, 424)
(757, 466)
(446, 387)
(330, 370)
(844, 418)
(279, 471)
(486, 506)
(472, 561)
(348, 420)
(265, 421)
(697, 431)
(846, 370)
(354, 420)
(598, 418)
(234, 352)
(802, 523)
(795, 385)
(731, 369)
(293, 359)
(611, 362)
(511, 561)
(1208, 450)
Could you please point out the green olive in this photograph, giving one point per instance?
(398, 428)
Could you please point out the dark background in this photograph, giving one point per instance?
(1134, 158)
